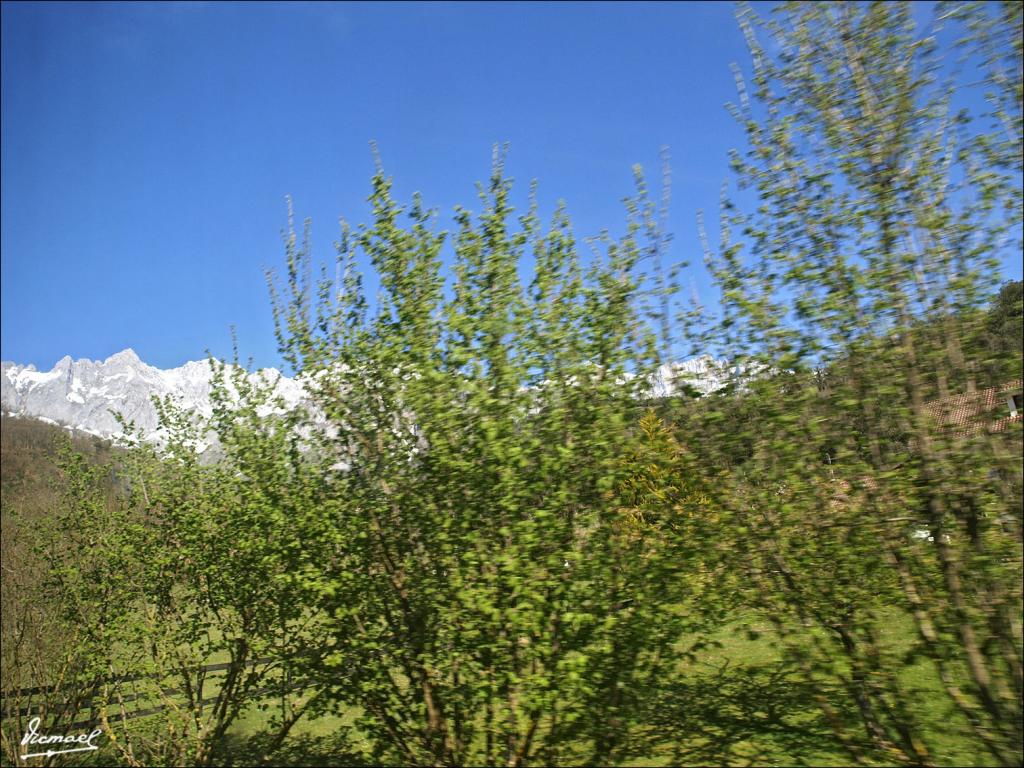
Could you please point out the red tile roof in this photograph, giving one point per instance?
(974, 411)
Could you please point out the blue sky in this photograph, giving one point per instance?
(147, 149)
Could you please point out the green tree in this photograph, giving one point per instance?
(229, 546)
(875, 206)
(486, 602)
(1004, 327)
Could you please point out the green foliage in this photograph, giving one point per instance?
(229, 547)
(857, 294)
(1004, 330)
(70, 565)
(478, 540)
(486, 602)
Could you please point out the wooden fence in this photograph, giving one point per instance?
(7, 713)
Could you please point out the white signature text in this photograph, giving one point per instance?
(32, 737)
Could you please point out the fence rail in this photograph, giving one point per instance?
(119, 717)
(125, 679)
(7, 713)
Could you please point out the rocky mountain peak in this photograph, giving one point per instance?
(82, 393)
(124, 357)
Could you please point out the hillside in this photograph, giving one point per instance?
(28, 469)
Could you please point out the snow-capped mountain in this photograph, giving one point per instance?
(704, 374)
(82, 393)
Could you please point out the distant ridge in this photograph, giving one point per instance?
(82, 393)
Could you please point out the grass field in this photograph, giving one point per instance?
(738, 704)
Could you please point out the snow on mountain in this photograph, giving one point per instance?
(83, 393)
(704, 374)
